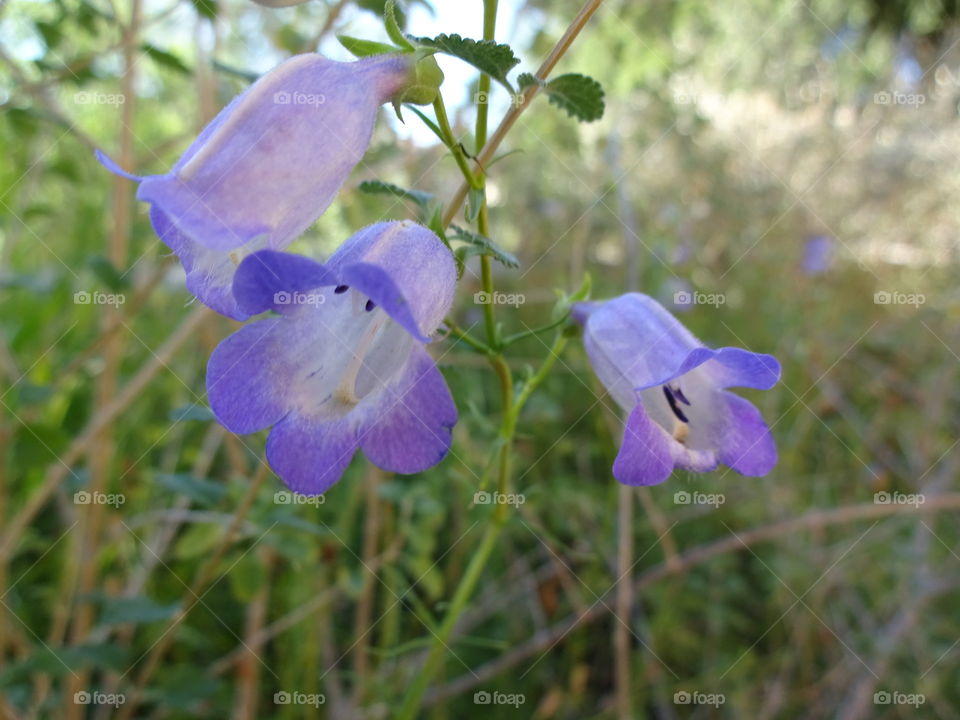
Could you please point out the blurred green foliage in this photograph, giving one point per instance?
(732, 132)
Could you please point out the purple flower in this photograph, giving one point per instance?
(343, 365)
(674, 389)
(817, 254)
(267, 166)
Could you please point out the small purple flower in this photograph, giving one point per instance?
(343, 366)
(267, 166)
(818, 254)
(674, 389)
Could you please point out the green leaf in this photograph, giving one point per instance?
(427, 121)
(485, 245)
(198, 540)
(494, 59)
(192, 411)
(203, 492)
(122, 610)
(166, 59)
(579, 95)
(206, 8)
(108, 274)
(392, 24)
(247, 575)
(378, 187)
(525, 80)
(474, 203)
(360, 48)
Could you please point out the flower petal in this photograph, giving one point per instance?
(405, 269)
(645, 457)
(246, 377)
(264, 278)
(274, 159)
(406, 428)
(209, 272)
(747, 445)
(311, 454)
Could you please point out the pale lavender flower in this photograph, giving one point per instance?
(343, 366)
(673, 388)
(267, 166)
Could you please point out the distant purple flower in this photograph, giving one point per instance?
(343, 366)
(674, 389)
(267, 166)
(817, 254)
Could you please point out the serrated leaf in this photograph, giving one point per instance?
(525, 80)
(378, 187)
(495, 59)
(579, 95)
(485, 246)
(360, 48)
(166, 59)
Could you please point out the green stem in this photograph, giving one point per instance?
(455, 331)
(443, 122)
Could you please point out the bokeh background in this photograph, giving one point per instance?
(790, 167)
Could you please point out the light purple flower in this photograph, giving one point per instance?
(673, 387)
(343, 366)
(267, 166)
(818, 253)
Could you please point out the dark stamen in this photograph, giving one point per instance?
(340, 289)
(680, 396)
(673, 404)
(370, 305)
